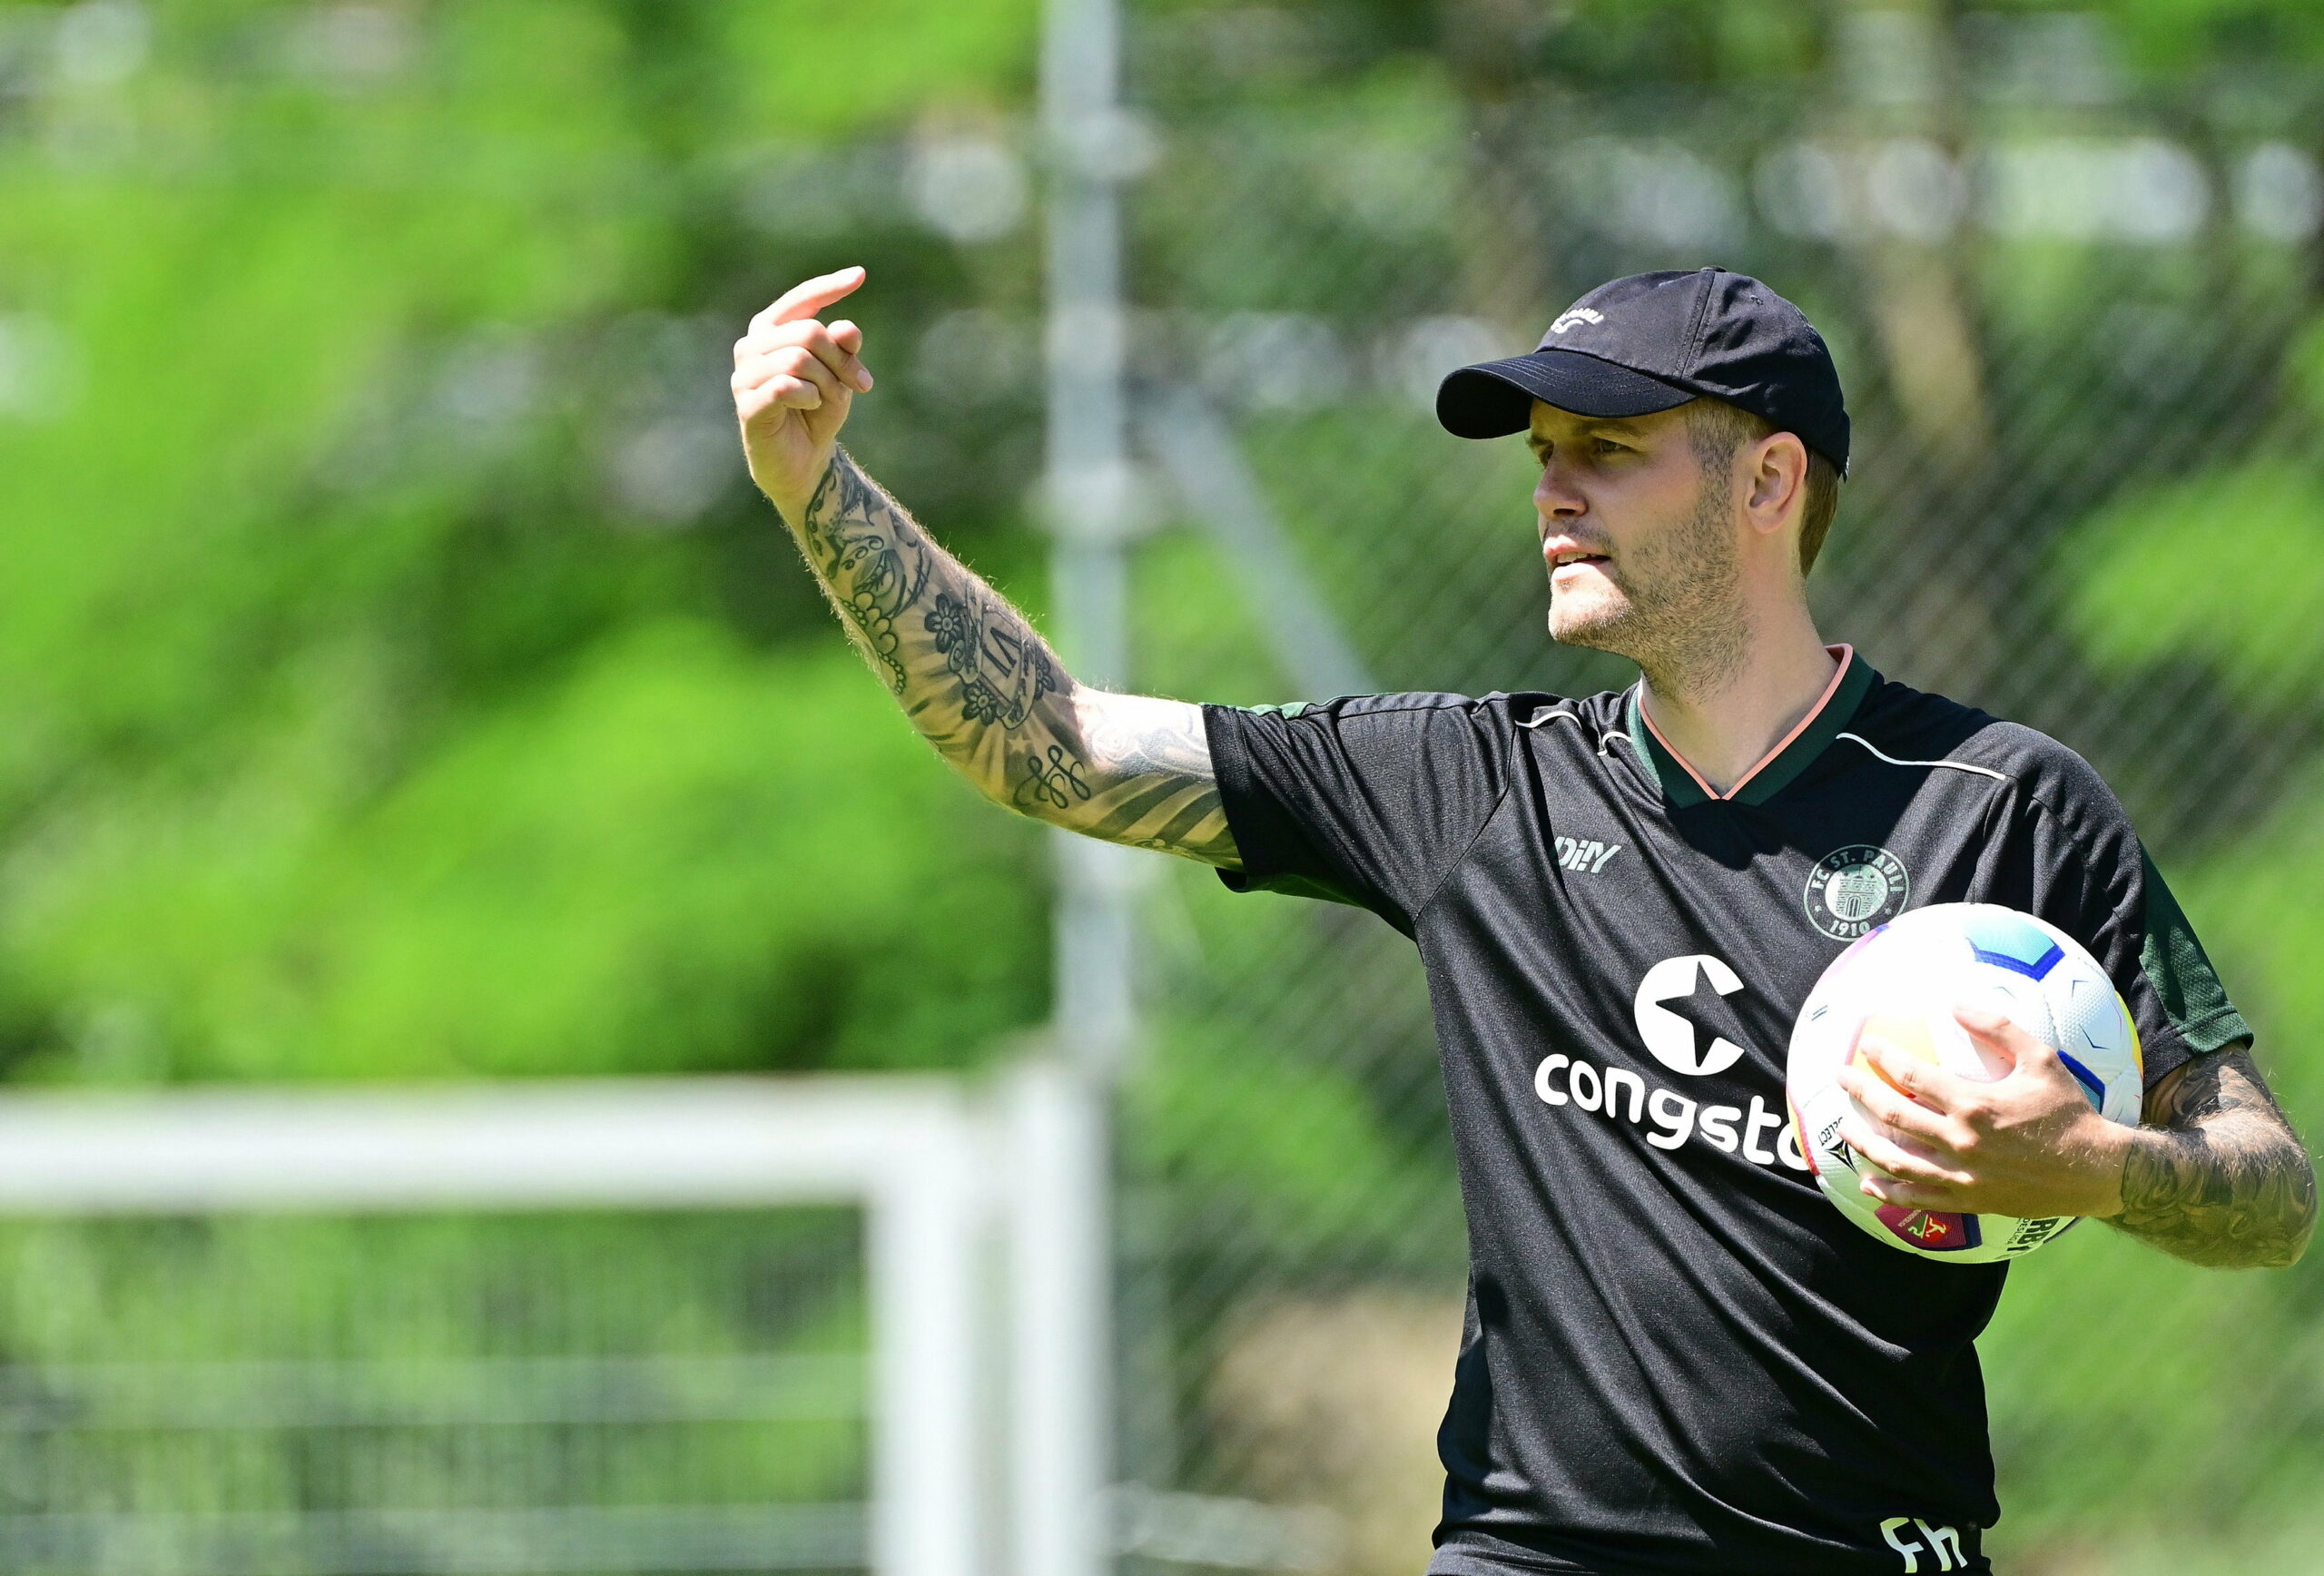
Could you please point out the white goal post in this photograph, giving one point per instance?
(940, 1169)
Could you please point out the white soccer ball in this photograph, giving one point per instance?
(1902, 982)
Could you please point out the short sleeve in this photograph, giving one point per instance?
(2094, 880)
(1370, 800)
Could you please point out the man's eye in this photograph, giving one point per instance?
(1608, 446)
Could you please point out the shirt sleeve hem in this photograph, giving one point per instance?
(1260, 871)
(2165, 1053)
(2215, 1032)
(1232, 767)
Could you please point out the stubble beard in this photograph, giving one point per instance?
(1680, 612)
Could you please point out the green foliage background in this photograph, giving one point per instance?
(351, 725)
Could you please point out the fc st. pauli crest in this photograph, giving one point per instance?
(1854, 889)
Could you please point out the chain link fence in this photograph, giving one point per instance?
(246, 1395)
(2082, 339)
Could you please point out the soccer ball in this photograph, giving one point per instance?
(1900, 981)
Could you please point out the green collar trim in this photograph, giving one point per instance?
(1680, 788)
(1814, 739)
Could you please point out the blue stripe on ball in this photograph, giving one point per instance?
(2015, 965)
(2087, 1078)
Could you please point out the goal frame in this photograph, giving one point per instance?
(931, 1160)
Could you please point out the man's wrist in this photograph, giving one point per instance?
(792, 506)
(2109, 1160)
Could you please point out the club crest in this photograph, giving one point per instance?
(1855, 889)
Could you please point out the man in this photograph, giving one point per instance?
(1677, 1356)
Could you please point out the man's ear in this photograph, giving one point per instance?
(1776, 484)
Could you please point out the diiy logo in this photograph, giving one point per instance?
(1585, 853)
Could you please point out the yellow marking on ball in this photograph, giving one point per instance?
(1909, 1032)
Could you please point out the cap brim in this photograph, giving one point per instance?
(1495, 399)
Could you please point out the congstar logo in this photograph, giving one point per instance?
(1573, 315)
(1670, 1038)
(1757, 1131)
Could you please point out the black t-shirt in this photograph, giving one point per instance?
(1678, 1356)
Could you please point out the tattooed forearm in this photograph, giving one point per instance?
(872, 563)
(1154, 786)
(1002, 667)
(2218, 1176)
(985, 690)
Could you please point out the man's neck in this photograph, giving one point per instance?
(1729, 726)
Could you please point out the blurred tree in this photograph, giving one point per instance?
(395, 669)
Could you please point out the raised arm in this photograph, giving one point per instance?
(2217, 1175)
(967, 668)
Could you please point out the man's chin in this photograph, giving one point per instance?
(1591, 626)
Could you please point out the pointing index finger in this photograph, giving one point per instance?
(808, 298)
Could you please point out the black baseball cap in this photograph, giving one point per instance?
(1652, 341)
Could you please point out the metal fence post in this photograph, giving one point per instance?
(1062, 1455)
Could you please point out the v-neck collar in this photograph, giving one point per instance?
(1683, 785)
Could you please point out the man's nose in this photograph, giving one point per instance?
(1555, 496)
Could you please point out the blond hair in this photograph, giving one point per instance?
(1716, 431)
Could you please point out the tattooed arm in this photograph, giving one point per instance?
(970, 671)
(2217, 1176)
(986, 691)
